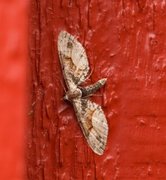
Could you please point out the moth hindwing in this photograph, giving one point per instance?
(75, 67)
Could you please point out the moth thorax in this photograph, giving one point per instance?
(72, 94)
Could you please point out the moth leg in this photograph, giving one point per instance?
(87, 77)
(89, 74)
(89, 95)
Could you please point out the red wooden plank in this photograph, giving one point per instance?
(125, 42)
(13, 54)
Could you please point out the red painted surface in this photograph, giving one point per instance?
(126, 42)
(13, 54)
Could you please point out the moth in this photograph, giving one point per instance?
(75, 68)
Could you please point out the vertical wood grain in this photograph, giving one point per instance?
(125, 42)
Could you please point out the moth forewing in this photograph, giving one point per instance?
(73, 58)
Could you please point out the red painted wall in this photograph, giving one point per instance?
(125, 42)
(13, 57)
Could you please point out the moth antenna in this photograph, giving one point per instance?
(63, 86)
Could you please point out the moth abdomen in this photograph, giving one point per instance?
(91, 89)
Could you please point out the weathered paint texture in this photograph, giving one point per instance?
(126, 42)
(13, 58)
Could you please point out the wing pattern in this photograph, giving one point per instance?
(93, 123)
(73, 59)
(75, 68)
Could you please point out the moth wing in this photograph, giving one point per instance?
(93, 124)
(73, 59)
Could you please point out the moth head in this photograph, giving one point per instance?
(73, 94)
